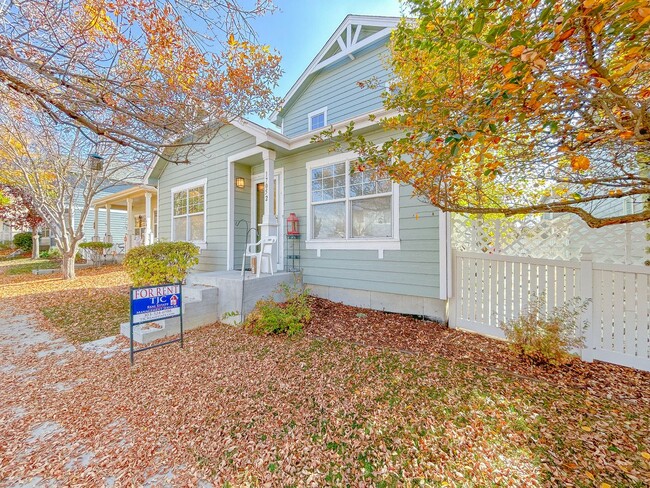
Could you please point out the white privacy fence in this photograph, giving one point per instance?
(489, 289)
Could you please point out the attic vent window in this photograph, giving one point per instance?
(317, 119)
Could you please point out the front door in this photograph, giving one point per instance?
(257, 210)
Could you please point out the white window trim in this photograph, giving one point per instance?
(317, 112)
(204, 183)
(369, 244)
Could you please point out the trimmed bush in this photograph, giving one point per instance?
(289, 317)
(96, 249)
(52, 253)
(547, 337)
(163, 262)
(23, 240)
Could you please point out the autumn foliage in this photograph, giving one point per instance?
(521, 106)
(141, 73)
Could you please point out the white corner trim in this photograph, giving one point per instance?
(444, 253)
(314, 113)
(230, 218)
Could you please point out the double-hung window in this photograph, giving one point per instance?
(348, 206)
(188, 218)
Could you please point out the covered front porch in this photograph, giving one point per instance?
(255, 206)
(140, 204)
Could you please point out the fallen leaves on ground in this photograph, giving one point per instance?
(380, 329)
(267, 411)
(87, 308)
(365, 398)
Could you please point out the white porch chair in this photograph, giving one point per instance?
(266, 251)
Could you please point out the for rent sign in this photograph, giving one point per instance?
(155, 303)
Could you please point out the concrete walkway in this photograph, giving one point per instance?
(25, 352)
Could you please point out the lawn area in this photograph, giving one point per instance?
(11, 267)
(361, 399)
(240, 410)
(85, 309)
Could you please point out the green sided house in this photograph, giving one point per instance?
(363, 241)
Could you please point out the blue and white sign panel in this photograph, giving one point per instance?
(155, 303)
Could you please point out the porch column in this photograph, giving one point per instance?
(269, 222)
(129, 224)
(108, 237)
(96, 224)
(147, 226)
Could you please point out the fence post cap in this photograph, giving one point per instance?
(585, 252)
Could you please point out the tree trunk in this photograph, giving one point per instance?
(36, 241)
(67, 266)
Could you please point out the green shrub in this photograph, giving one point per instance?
(96, 249)
(51, 253)
(23, 240)
(163, 262)
(547, 337)
(289, 317)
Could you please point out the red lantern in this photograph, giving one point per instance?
(293, 225)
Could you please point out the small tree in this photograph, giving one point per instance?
(17, 209)
(51, 165)
(140, 74)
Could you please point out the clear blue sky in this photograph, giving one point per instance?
(300, 28)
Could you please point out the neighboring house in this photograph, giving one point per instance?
(128, 217)
(7, 232)
(118, 220)
(364, 241)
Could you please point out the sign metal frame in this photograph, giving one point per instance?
(132, 313)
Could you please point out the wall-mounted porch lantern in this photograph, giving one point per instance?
(240, 182)
(293, 223)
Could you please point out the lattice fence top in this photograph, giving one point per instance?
(550, 237)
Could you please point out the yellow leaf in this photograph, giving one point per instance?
(516, 51)
(646, 455)
(605, 485)
(584, 427)
(599, 26)
(590, 3)
(590, 476)
(628, 67)
(511, 87)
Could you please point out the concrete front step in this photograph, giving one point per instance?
(231, 286)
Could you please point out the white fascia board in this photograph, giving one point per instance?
(368, 20)
(261, 134)
(347, 52)
(120, 195)
(360, 122)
